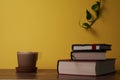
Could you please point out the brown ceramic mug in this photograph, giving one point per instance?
(27, 59)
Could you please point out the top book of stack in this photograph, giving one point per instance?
(91, 47)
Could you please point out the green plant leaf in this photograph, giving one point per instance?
(88, 15)
(96, 7)
(86, 25)
(97, 13)
(90, 18)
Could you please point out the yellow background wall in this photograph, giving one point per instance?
(50, 27)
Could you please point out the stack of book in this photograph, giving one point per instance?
(87, 59)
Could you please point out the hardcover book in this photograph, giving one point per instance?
(77, 47)
(86, 67)
(88, 55)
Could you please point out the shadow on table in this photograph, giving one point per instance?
(26, 75)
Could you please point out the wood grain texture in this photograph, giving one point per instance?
(50, 74)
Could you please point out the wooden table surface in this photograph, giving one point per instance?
(50, 74)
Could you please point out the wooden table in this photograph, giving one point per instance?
(50, 74)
